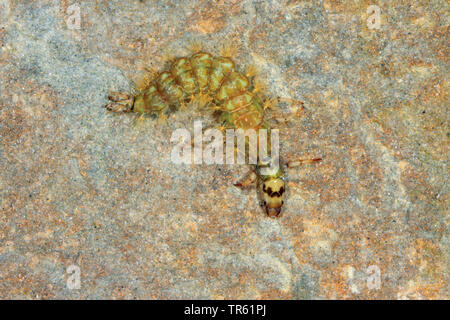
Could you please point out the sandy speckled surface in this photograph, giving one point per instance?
(80, 186)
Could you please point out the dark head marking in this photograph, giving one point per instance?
(273, 193)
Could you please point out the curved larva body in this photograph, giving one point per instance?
(230, 91)
(203, 73)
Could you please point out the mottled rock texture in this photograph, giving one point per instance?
(81, 186)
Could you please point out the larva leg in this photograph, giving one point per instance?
(248, 182)
(298, 108)
(298, 162)
(120, 102)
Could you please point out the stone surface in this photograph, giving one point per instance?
(80, 186)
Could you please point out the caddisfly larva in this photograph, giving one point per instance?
(230, 92)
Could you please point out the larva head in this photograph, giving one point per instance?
(273, 196)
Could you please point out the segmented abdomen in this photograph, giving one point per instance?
(205, 74)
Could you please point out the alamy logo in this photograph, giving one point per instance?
(374, 19)
(253, 143)
(74, 279)
(73, 21)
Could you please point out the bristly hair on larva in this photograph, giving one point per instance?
(213, 81)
